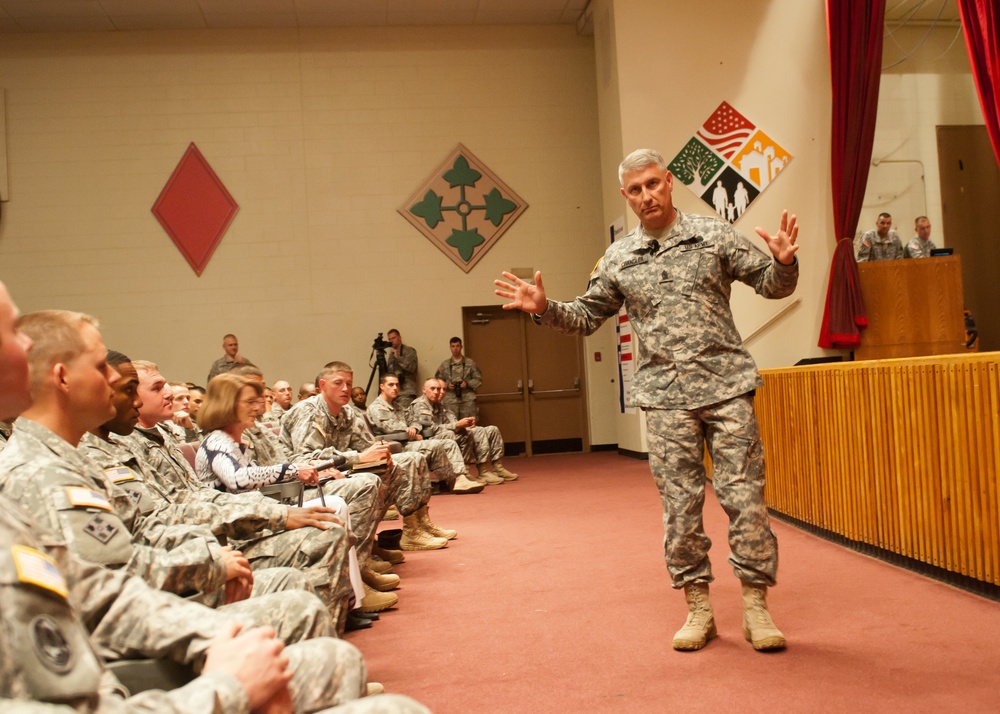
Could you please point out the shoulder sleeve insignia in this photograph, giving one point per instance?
(80, 497)
(101, 528)
(121, 474)
(36, 568)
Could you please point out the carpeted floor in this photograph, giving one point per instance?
(554, 598)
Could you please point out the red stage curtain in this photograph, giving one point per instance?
(980, 23)
(854, 30)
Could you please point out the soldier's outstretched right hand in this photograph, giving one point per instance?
(523, 295)
(317, 517)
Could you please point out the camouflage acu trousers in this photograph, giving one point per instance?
(407, 485)
(320, 554)
(677, 440)
(444, 457)
(325, 673)
(361, 492)
(481, 444)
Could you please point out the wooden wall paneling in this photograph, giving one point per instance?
(902, 454)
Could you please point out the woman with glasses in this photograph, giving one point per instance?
(231, 405)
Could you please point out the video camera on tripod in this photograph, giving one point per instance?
(380, 366)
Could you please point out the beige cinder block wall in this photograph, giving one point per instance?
(320, 136)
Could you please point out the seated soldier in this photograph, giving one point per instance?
(326, 425)
(70, 497)
(386, 416)
(127, 619)
(480, 444)
(268, 534)
(197, 396)
(308, 389)
(182, 426)
(282, 393)
(359, 399)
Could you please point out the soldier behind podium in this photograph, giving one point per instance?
(882, 243)
(921, 245)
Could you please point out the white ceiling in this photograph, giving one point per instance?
(110, 15)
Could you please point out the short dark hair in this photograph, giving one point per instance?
(117, 358)
(393, 330)
(453, 340)
(883, 214)
(384, 377)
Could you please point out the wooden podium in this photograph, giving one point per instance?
(915, 308)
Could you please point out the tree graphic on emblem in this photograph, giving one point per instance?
(695, 162)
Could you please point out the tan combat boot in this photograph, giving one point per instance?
(414, 537)
(374, 601)
(379, 566)
(464, 485)
(758, 627)
(503, 473)
(699, 627)
(487, 475)
(379, 581)
(433, 530)
(388, 555)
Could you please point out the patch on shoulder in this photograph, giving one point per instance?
(37, 568)
(101, 528)
(121, 474)
(80, 497)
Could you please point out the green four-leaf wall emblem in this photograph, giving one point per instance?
(463, 208)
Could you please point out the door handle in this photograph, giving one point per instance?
(520, 386)
(531, 386)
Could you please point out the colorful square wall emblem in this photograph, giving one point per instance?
(463, 208)
(729, 162)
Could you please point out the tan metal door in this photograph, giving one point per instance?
(555, 392)
(970, 184)
(532, 380)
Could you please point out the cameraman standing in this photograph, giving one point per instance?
(402, 362)
(463, 378)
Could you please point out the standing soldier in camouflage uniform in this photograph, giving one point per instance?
(444, 458)
(481, 445)
(402, 362)
(327, 425)
(230, 359)
(462, 378)
(694, 379)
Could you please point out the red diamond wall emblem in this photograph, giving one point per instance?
(195, 209)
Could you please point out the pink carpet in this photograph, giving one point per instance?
(554, 598)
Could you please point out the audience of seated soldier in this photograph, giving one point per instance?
(125, 617)
(282, 402)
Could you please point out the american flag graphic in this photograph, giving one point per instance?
(726, 130)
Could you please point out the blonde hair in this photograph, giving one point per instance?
(222, 397)
(56, 337)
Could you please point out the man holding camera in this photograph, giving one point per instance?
(462, 378)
